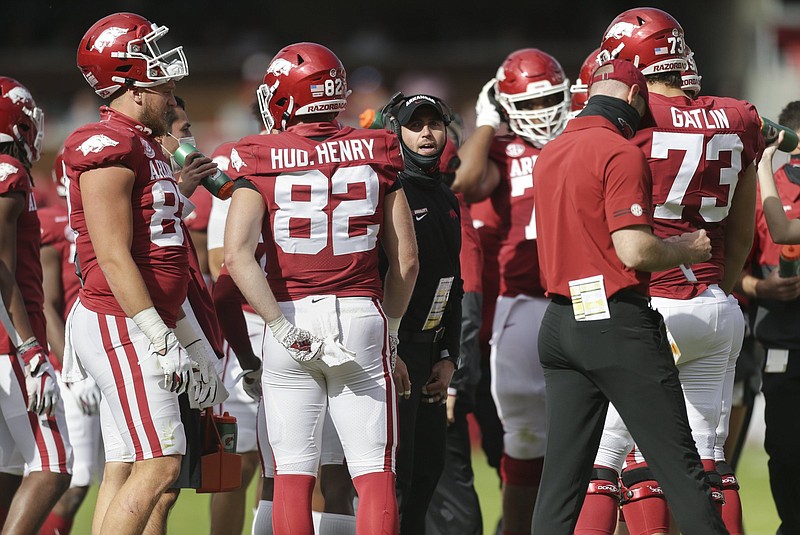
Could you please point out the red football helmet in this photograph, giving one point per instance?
(580, 89)
(302, 79)
(527, 75)
(122, 50)
(649, 38)
(21, 120)
(690, 79)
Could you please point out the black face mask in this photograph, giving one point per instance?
(793, 169)
(617, 111)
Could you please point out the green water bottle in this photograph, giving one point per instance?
(789, 263)
(219, 184)
(770, 131)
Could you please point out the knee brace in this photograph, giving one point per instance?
(601, 506)
(521, 472)
(643, 502)
(604, 481)
(732, 507)
(714, 480)
(639, 484)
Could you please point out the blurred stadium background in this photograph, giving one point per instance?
(744, 48)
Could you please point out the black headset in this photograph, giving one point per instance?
(388, 114)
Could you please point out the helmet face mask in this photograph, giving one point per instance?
(122, 50)
(21, 120)
(690, 79)
(534, 93)
(302, 79)
(649, 38)
(580, 89)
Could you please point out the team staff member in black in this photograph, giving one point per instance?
(600, 341)
(430, 330)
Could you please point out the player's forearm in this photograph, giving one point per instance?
(55, 331)
(215, 258)
(735, 257)
(14, 304)
(250, 279)
(474, 156)
(126, 283)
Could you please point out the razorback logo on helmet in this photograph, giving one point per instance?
(620, 29)
(148, 150)
(19, 94)
(236, 160)
(6, 170)
(96, 143)
(107, 37)
(280, 67)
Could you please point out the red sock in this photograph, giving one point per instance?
(291, 508)
(521, 472)
(732, 508)
(598, 515)
(56, 525)
(601, 505)
(377, 504)
(646, 510)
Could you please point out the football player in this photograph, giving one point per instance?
(322, 195)
(33, 428)
(531, 94)
(580, 89)
(125, 207)
(702, 154)
(82, 398)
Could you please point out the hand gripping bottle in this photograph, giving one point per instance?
(219, 184)
(770, 130)
(789, 263)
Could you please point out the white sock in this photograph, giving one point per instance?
(334, 524)
(316, 518)
(262, 520)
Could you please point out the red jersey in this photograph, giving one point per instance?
(491, 219)
(57, 233)
(158, 247)
(589, 182)
(768, 252)
(14, 179)
(471, 256)
(697, 153)
(518, 257)
(202, 304)
(324, 199)
(197, 221)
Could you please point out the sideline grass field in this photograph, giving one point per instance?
(190, 515)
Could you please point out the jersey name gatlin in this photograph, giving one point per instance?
(700, 118)
(339, 151)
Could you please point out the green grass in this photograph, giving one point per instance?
(190, 515)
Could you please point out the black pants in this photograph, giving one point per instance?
(454, 507)
(421, 449)
(626, 360)
(782, 441)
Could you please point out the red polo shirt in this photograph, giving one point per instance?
(589, 182)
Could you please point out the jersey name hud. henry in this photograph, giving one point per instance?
(339, 151)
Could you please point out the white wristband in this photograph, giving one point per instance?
(393, 324)
(185, 333)
(151, 324)
(279, 326)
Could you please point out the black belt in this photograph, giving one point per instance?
(422, 337)
(625, 296)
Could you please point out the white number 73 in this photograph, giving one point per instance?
(692, 145)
